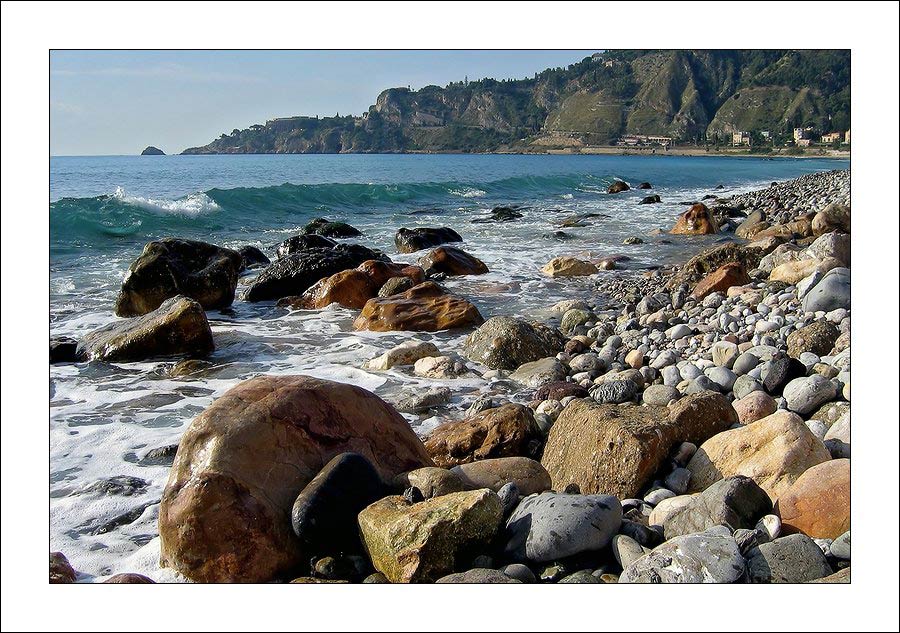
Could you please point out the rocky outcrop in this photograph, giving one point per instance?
(421, 542)
(150, 150)
(507, 343)
(696, 221)
(499, 432)
(177, 327)
(452, 261)
(710, 259)
(303, 242)
(416, 239)
(204, 272)
(225, 511)
(423, 308)
(295, 273)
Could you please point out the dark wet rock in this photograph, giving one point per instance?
(790, 559)
(161, 456)
(327, 228)
(300, 243)
(416, 239)
(615, 392)
(61, 571)
(177, 327)
(126, 518)
(651, 200)
(395, 286)
(617, 187)
(295, 273)
(169, 267)
(63, 350)
(501, 214)
(324, 513)
(120, 485)
(480, 576)
(645, 185)
(452, 261)
(252, 257)
(426, 307)
(560, 390)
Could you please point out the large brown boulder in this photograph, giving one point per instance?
(796, 229)
(352, 288)
(169, 267)
(178, 326)
(834, 217)
(421, 542)
(616, 449)
(773, 452)
(423, 308)
(618, 186)
(721, 279)
(698, 220)
(702, 415)
(818, 503)
(225, 514)
(452, 261)
(528, 475)
(499, 432)
(380, 271)
(568, 267)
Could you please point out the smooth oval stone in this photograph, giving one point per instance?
(520, 572)
(325, 511)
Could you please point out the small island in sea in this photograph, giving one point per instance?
(152, 151)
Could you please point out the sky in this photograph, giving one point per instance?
(119, 102)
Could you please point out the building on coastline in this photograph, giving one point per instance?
(740, 138)
(803, 133)
(804, 142)
(636, 140)
(766, 134)
(831, 137)
(847, 137)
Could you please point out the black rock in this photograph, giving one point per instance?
(327, 228)
(709, 196)
(161, 456)
(614, 392)
(294, 274)
(126, 518)
(252, 257)
(63, 350)
(150, 150)
(643, 534)
(412, 240)
(394, 286)
(651, 200)
(501, 214)
(300, 243)
(790, 559)
(645, 185)
(557, 235)
(324, 514)
(120, 485)
(413, 495)
(779, 371)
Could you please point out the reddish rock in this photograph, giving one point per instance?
(61, 571)
(380, 271)
(499, 432)
(423, 308)
(698, 220)
(452, 261)
(818, 503)
(225, 511)
(349, 288)
(128, 579)
(721, 279)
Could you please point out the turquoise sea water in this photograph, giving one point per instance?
(104, 209)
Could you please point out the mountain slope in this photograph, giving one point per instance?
(683, 94)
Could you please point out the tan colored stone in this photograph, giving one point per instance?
(795, 271)
(431, 481)
(755, 406)
(721, 279)
(818, 503)
(668, 507)
(698, 220)
(528, 475)
(424, 541)
(773, 451)
(568, 267)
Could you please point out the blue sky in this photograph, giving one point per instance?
(118, 102)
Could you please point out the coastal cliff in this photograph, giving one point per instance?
(685, 95)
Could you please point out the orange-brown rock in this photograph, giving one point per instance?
(500, 432)
(698, 220)
(818, 503)
(423, 308)
(225, 511)
(61, 571)
(349, 288)
(721, 279)
(452, 261)
(380, 271)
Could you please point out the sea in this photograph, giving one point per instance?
(105, 416)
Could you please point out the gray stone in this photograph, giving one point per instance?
(677, 481)
(831, 293)
(679, 331)
(479, 576)
(520, 572)
(550, 525)
(509, 497)
(723, 377)
(805, 395)
(708, 557)
(745, 385)
(615, 392)
(654, 497)
(736, 502)
(506, 343)
(626, 550)
(660, 394)
(671, 376)
(700, 384)
(790, 559)
(418, 402)
(840, 547)
(581, 577)
(539, 372)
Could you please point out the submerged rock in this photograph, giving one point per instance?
(327, 228)
(416, 239)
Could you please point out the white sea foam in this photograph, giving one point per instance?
(190, 205)
(468, 192)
